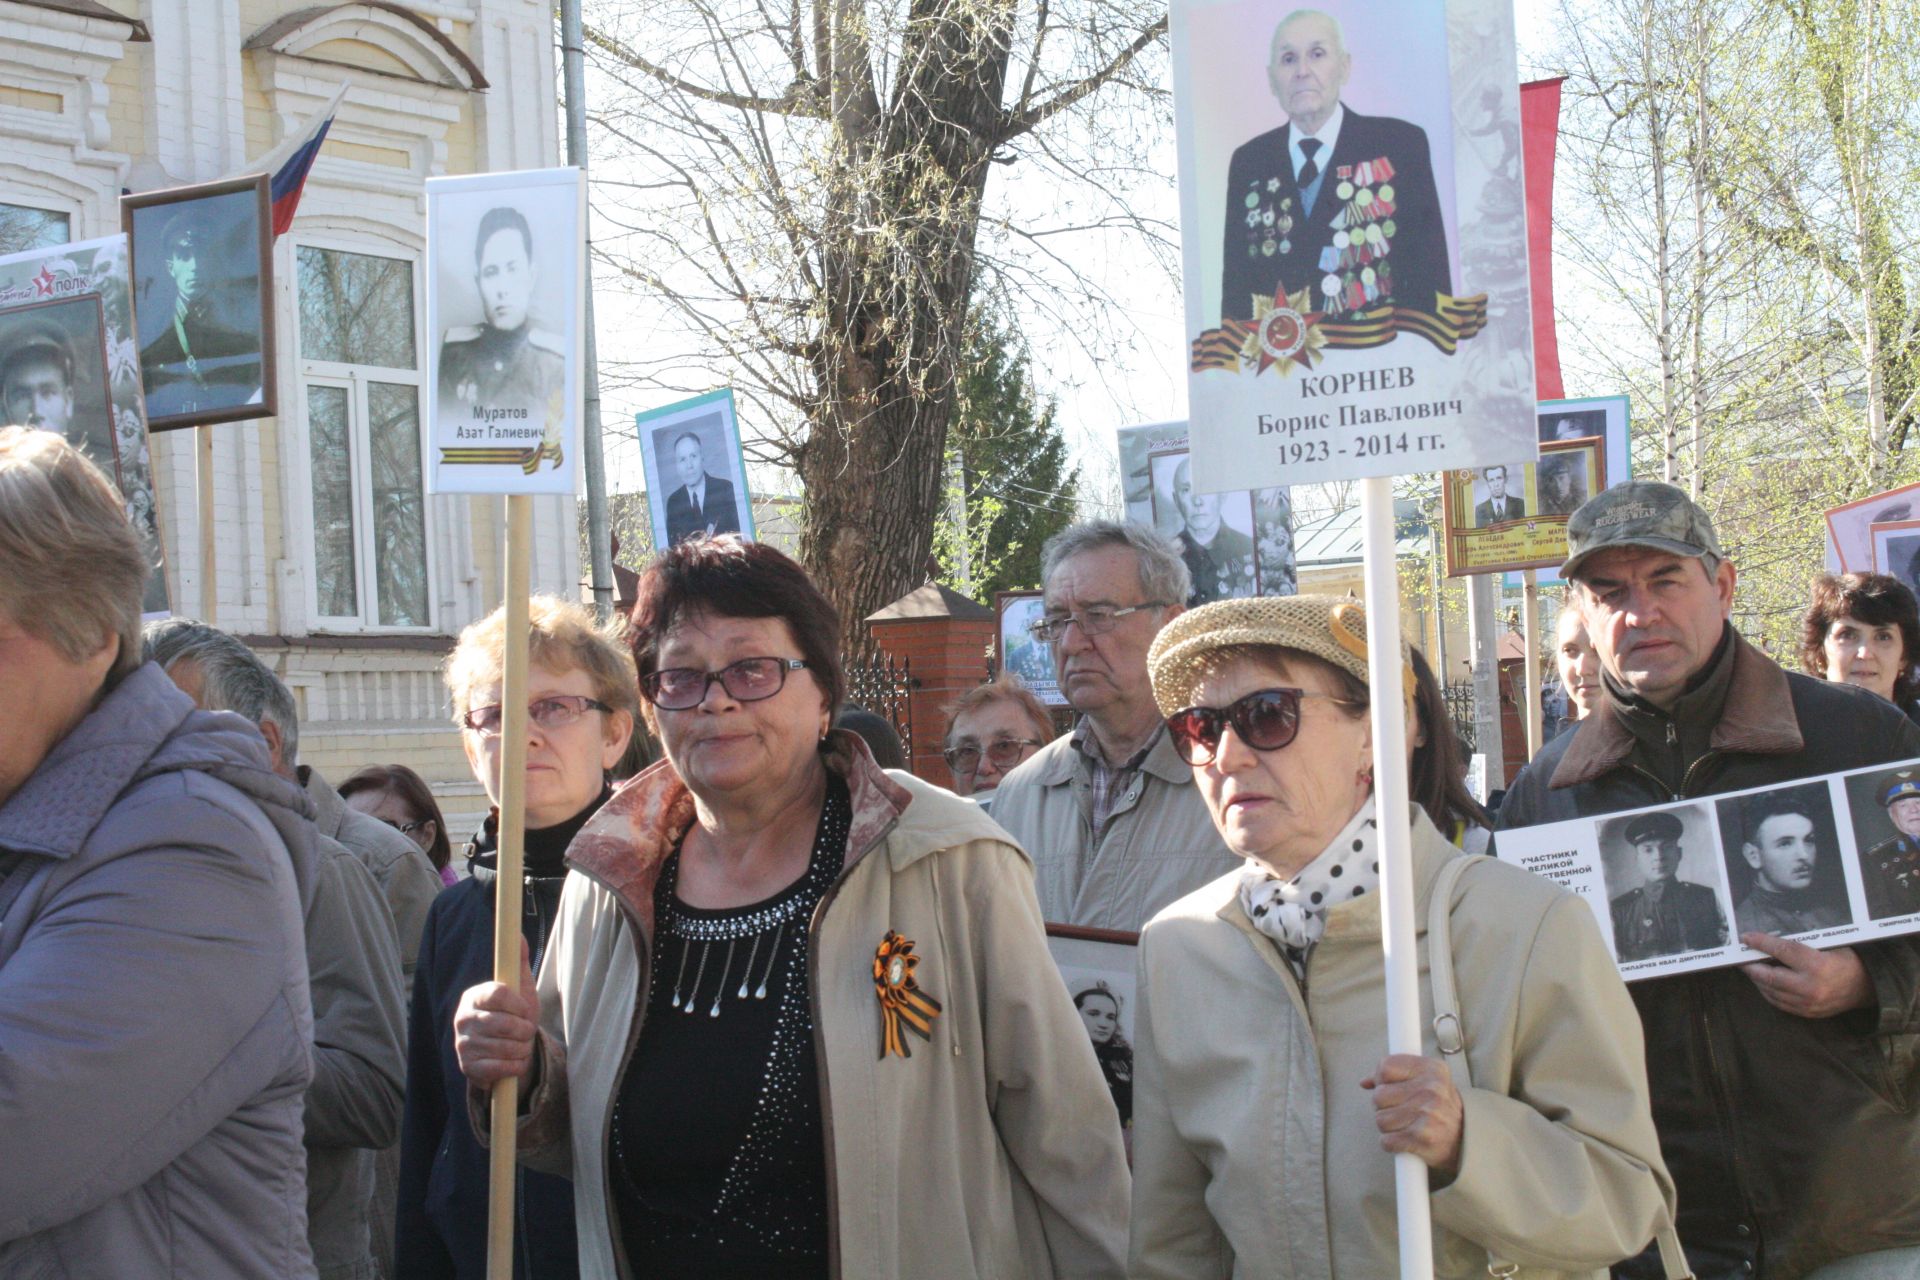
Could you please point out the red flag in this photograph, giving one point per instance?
(1539, 131)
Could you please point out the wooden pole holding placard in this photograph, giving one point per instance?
(1391, 801)
(1530, 633)
(203, 486)
(507, 883)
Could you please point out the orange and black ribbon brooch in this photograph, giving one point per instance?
(902, 1002)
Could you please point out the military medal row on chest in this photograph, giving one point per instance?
(1353, 267)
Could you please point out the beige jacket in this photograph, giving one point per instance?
(1161, 844)
(1255, 1149)
(992, 1151)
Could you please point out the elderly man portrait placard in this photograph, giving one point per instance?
(504, 309)
(203, 293)
(1234, 544)
(1354, 246)
(695, 469)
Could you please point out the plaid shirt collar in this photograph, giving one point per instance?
(1107, 782)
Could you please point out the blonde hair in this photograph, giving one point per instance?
(72, 571)
(564, 638)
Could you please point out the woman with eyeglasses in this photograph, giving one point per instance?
(582, 706)
(399, 797)
(798, 1018)
(1266, 1108)
(991, 730)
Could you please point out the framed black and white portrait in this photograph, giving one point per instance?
(1098, 968)
(203, 297)
(1666, 889)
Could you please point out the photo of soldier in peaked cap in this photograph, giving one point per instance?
(1655, 912)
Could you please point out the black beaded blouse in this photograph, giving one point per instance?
(719, 1157)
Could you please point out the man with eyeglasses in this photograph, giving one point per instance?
(1110, 814)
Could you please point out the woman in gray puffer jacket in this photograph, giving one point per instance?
(154, 1014)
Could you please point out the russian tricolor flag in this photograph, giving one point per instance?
(290, 162)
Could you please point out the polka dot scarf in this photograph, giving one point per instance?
(1294, 912)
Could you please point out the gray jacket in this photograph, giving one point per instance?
(154, 1014)
(1159, 846)
(405, 875)
(359, 1058)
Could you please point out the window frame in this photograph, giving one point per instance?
(356, 380)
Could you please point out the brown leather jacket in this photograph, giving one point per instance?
(1793, 1141)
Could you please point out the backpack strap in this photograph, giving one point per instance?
(1450, 1034)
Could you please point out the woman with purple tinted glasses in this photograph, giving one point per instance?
(1266, 1109)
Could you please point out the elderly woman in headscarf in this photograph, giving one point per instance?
(797, 1017)
(1267, 1110)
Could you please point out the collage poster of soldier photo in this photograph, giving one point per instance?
(505, 315)
(1829, 862)
(67, 365)
(1514, 516)
(1235, 544)
(1354, 239)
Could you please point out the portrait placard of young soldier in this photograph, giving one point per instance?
(1663, 876)
(1783, 861)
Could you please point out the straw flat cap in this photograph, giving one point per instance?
(1331, 628)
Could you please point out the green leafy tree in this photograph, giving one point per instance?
(1007, 469)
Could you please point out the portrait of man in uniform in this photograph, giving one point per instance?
(1777, 840)
(1562, 483)
(506, 370)
(1218, 556)
(197, 363)
(703, 505)
(53, 375)
(1336, 202)
(1500, 506)
(1890, 868)
(1661, 915)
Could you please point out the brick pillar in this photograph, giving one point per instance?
(943, 637)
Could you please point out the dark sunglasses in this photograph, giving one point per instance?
(1266, 720)
(1005, 754)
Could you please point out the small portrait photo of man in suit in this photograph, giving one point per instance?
(1334, 201)
(701, 504)
(1500, 505)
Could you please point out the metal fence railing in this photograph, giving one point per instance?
(1459, 696)
(885, 687)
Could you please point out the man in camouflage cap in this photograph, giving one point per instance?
(1786, 1169)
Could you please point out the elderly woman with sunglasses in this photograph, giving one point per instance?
(582, 705)
(798, 1017)
(1266, 1108)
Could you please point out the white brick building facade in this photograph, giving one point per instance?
(101, 95)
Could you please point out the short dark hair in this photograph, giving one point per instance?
(1756, 809)
(1501, 467)
(734, 578)
(496, 220)
(685, 436)
(1875, 599)
(412, 789)
(876, 731)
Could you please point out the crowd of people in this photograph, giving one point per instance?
(787, 1010)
